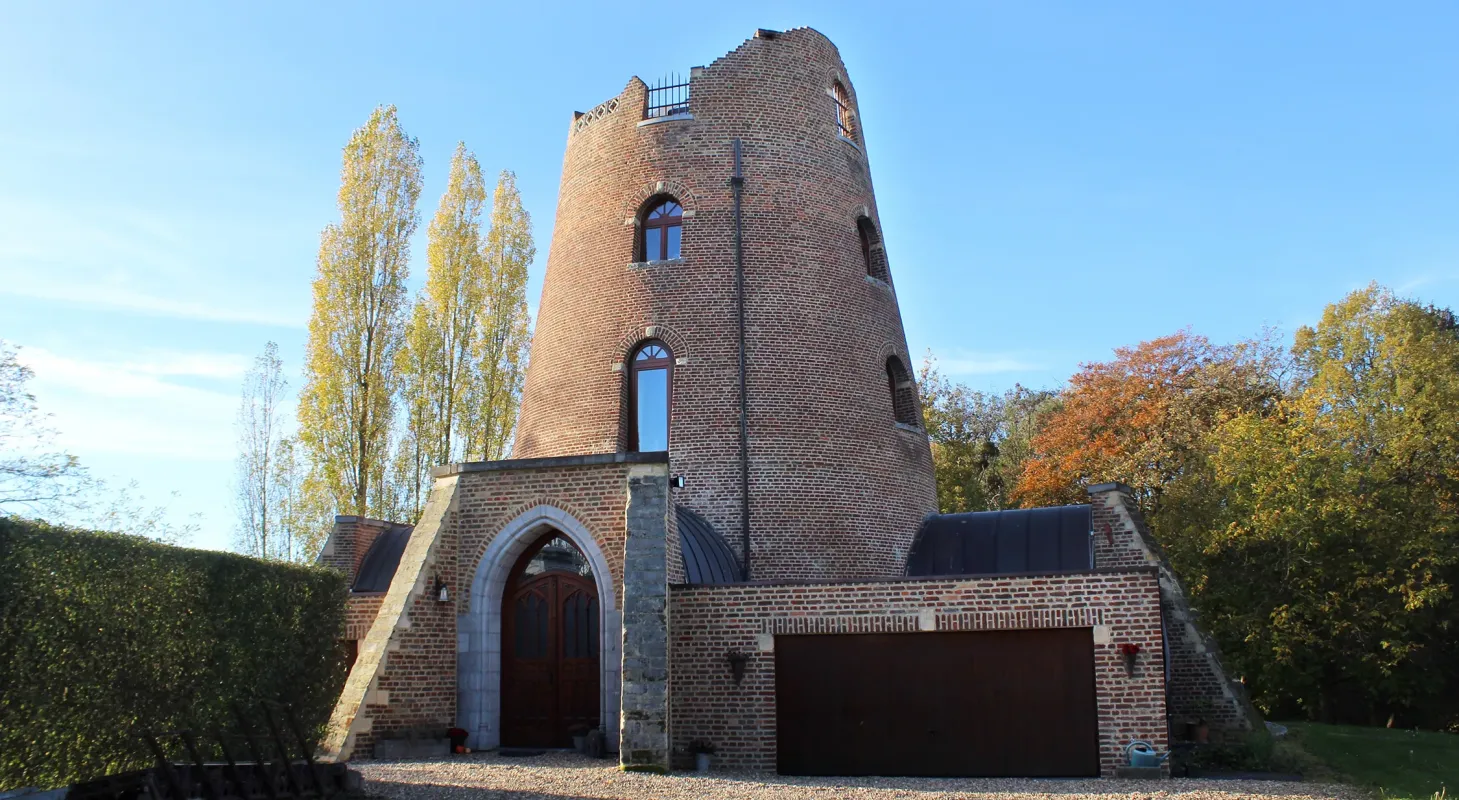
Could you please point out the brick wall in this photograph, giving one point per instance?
(1199, 687)
(823, 435)
(709, 621)
(360, 611)
(349, 541)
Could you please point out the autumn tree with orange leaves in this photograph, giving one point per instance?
(1141, 418)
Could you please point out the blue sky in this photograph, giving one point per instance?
(1054, 179)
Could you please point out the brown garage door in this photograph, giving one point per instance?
(997, 703)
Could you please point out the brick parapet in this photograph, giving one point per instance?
(710, 621)
(1199, 687)
(348, 542)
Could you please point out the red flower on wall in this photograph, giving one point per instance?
(1129, 648)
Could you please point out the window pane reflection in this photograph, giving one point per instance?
(674, 231)
(653, 409)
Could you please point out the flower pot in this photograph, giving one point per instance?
(701, 762)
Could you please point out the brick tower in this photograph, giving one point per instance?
(664, 256)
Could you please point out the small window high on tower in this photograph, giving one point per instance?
(845, 120)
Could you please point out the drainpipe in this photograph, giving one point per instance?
(737, 182)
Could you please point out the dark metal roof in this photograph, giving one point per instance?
(707, 559)
(378, 566)
(1055, 539)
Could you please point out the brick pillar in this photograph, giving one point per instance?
(643, 742)
(348, 543)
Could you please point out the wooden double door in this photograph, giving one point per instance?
(550, 658)
(995, 704)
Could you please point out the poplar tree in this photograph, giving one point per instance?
(500, 354)
(355, 330)
(259, 438)
(435, 363)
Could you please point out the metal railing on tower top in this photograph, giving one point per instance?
(668, 97)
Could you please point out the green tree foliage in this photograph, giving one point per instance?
(356, 328)
(107, 637)
(979, 441)
(1321, 541)
(499, 356)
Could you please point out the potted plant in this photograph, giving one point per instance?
(458, 740)
(579, 734)
(702, 750)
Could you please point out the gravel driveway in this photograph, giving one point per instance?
(568, 776)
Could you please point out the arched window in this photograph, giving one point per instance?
(872, 253)
(903, 391)
(845, 121)
(660, 230)
(650, 388)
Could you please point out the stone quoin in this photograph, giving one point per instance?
(719, 447)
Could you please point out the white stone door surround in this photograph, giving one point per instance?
(479, 629)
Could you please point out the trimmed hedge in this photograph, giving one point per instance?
(104, 637)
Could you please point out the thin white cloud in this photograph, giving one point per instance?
(99, 295)
(129, 405)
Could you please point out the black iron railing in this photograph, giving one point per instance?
(668, 97)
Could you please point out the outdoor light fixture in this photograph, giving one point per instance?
(737, 662)
(441, 595)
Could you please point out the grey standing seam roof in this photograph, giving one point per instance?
(1054, 539)
(707, 559)
(380, 561)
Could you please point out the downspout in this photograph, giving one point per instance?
(737, 182)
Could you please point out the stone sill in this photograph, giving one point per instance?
(551, 462)
(685, 117)
(839, 137)
(902, 426)
(667, 262)
(879, 283)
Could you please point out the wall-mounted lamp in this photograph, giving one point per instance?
(737, 662)
(442, 596)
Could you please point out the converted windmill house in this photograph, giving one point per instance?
(719, 519)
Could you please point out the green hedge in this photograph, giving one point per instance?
(104, 637)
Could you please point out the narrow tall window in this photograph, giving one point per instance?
(903, 391)
(661, 228)
(845, 123)
(651, 381)
(872, 254)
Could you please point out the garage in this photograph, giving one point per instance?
(1018, 703)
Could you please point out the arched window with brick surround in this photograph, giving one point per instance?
(903, 391)
(845, 120)
(660, 229)
(873, 254)
(650, 393)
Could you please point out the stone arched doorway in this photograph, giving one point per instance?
(550, 646)
(480, 629)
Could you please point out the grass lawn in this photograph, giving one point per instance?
(1399, 763)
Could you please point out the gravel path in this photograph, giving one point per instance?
(568, 776)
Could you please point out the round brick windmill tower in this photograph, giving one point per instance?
(717, 287)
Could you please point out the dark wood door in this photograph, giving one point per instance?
(549, 659)
(995, 704)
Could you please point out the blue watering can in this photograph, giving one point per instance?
(1142, 754)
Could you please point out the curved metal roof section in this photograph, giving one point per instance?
(1053, 539)
(377, 568)
(707, 559)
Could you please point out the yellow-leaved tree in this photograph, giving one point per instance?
(435, 365)
(499, 357)
(355, 329)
